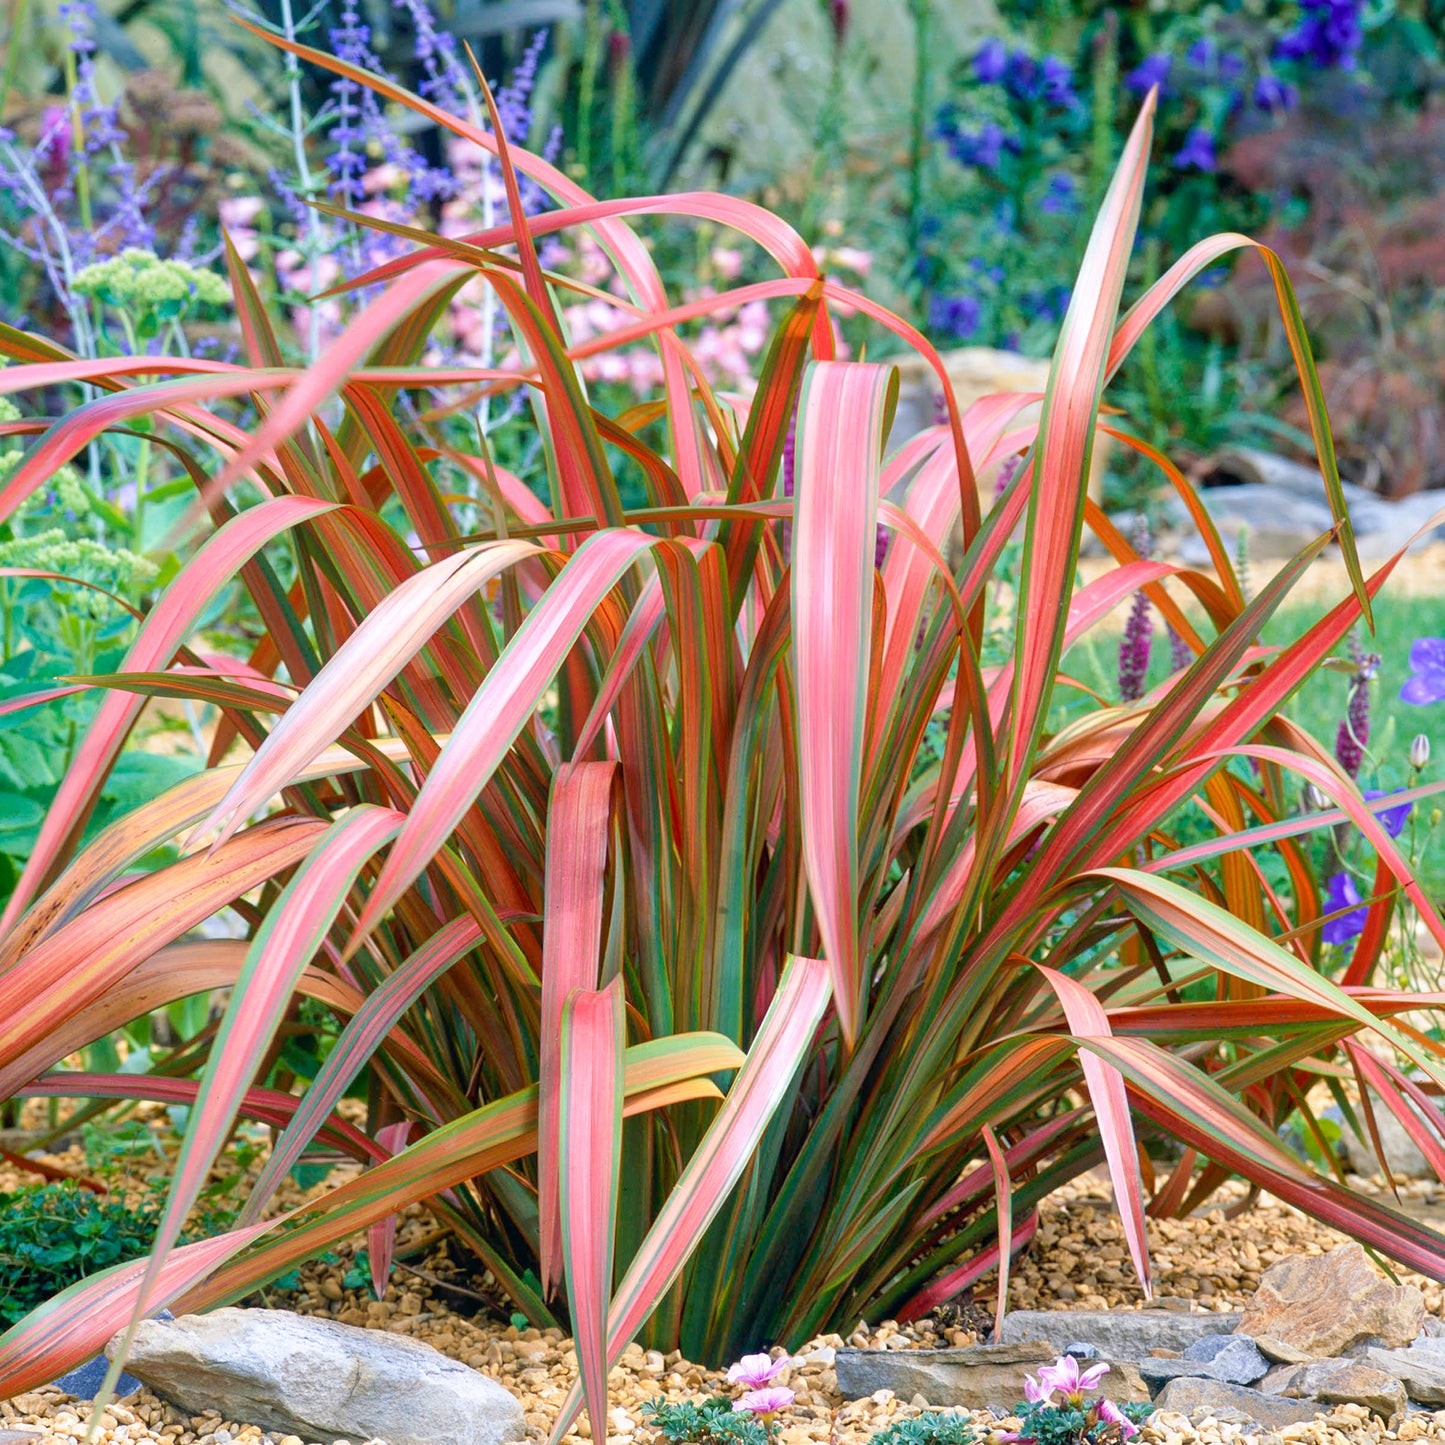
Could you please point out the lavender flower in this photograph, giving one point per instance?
(1151, 71)
(1353, 735)
(1134, 650)
(1061, 197)
(1057, 79)
(1197, 151)
(958, 315)
(1273, 94)
(1427, 663)
(1008, 470)
(1341, 893)
(991, 61)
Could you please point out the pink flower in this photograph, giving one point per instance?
(1111, 1413)
(1063, 1375)
(765, 1402)
(1035, 1393)
(755, 1371)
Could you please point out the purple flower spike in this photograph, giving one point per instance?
(990, 62)
(765, 1402)
(1197, 151)
(1342, 893)
(1353, 736)
(1151, 71)
(1427, 662)
(1134, 650)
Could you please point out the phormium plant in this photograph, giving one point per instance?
(574, 818)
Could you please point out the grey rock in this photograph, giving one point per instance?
(1239, 1362)
(1276, 522)
(1206, 1348)
(1347, 1382)
(1420, 1369)
(1081, 1351)
(1231, 1358)
(1158, 1373)
(322, 1380)
(20, 1435)
(84, 1381)
(1270, 1412)
(979, 1377)
(1117, 1334)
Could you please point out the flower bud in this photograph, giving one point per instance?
(1419, 751)
(1315, 800)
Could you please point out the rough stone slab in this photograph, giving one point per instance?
(1420, 1369)
(1269, 1411)
(1347, 1382)
(322, 1380)
(1118, 1334)
(1319, 1305)
(979, 1377)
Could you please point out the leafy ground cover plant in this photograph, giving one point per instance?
(584, 813)
(1060, 1408)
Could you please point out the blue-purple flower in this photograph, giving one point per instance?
(991, 62)
(1328, 34)
(1427, 663)
(1273, 94)
(1392, 820)
(1058, 80)
(1061, 195)
(1021, 76)
(1151, 71)
(1197, 152)
(983, 147)
(1341, 893)
(958, 315)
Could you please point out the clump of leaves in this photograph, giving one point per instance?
(930, 1428)
(54, 1235)
(713, 1422)
(1070, 1425)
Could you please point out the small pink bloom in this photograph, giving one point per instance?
(1036, 1393)
(1110, 1412)
(765, 1402)
(237, 211)
(728, 262)
(755, 1371)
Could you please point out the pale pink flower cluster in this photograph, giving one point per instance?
(762, 1397)
(1065, 1378)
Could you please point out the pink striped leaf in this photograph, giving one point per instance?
(579, 818)
(387, 638)
(67, 1330)
(842, 424)
(501, 708)
(590, 1166)
(1087, 1018)
(164, 631)
(381, 1233)
(290, 936)
(368, 1028)
(1066, 440)
(950, 1284)
(718, 1163)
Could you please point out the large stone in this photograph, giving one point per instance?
(1320, 1305)
(1346, 1382)
(1118, 1334)
(1270, 1412)
(1231, 1358)
(312, 1377)
(979, 1377)
(1420, 1369)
